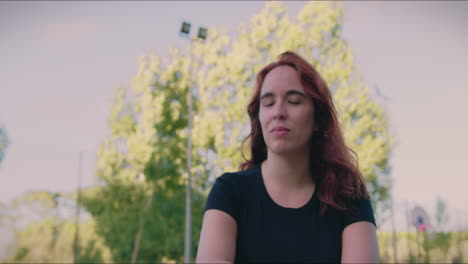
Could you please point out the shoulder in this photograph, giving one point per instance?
(359, 210)
(238, 179)
(228, 192)
(237, 185)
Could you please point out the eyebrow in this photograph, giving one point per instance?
(290, 92)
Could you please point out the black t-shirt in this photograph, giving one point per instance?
(268, 232)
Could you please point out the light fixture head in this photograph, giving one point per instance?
(185, 29)
(202, 32)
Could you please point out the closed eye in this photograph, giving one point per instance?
(291, 102)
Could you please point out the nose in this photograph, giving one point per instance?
(280, 112)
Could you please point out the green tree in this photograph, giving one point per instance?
(144, 160)
(45, 233)
(441, 239)
(441, 214)
(51, 241)
(3, 142)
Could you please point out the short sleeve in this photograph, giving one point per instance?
(361, 210)
(223, 196)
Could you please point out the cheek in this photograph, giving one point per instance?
(262, 118)
(307, 119)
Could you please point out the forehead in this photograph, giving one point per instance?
(281, 78)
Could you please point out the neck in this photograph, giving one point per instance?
(288, 171)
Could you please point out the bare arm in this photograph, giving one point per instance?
(360, 244)
(217, 238)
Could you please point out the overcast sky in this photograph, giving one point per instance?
(61, 61)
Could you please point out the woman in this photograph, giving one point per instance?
(301, 197)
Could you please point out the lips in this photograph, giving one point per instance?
(279, 128)
(279, 131)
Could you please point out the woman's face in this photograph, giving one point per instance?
(286, 112)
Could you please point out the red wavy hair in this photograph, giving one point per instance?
(334, 165)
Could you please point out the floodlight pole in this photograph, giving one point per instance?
(188, 194)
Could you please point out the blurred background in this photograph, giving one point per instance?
(94, 118)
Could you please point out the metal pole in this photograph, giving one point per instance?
(188, 196)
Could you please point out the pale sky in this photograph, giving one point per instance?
(61, 61)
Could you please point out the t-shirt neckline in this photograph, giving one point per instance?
(270, 200)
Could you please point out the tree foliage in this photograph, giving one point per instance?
(441, 239)
(144, 157)
(3, 142)
(45, 231)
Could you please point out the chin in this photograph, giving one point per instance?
(281, 149)
(285, 148)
